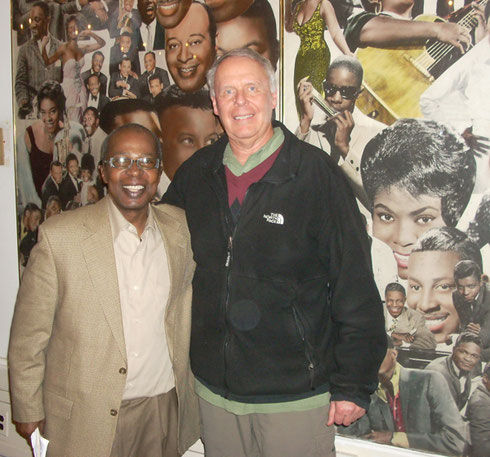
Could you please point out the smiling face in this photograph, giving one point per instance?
(466, 356)
(50, 116)
(57, 173)
(244, 102)
(188, 50)
(97, 62)
(430, 290)
(131, 190)
(38, 23)
(147, 10)
(149, 62)
(93, 85)
(73, 168)
(128, 5)
(399, 219)
(171, 12)
(243, 32)
(468, 288)
(125, 43)
(224, 10)
(72, 30)
(184, 131)
(395, 302)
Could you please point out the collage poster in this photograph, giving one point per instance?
(395, 91)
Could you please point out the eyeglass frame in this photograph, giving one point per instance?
(341, 89)
(138, 162)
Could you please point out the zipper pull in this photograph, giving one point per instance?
(228, 257)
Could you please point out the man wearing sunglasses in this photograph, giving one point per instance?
(344, 134)
(98, 354)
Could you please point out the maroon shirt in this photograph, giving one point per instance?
(238, 185)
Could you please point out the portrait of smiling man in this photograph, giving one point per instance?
(190, 48)
(431, 279)
(99, 344)
(282, 345)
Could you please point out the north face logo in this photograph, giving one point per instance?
(274, 218)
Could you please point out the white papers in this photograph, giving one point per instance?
(39, 444)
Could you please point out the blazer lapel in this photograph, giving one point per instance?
(98, 251)
(36, 52)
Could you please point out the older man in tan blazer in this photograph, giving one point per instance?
(99, 345)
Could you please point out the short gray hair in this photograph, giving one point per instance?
(136, 128)
(249, 54)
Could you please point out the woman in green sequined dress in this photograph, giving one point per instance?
(308, 19)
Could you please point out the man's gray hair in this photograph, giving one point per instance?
(249, 54)
(135, 128)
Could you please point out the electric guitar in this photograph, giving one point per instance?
(395, 78)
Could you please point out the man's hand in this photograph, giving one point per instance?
(380, 436)
(407, 337)
(481, 28)
(479, 144)
(345, 123)
(344, 413)
(473, 328)
(25, 429)
(122, 84)
(454, 34)
(305, 96)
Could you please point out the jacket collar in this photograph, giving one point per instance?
(284, 168)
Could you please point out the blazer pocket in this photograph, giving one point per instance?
(58, 406)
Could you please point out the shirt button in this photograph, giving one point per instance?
(136, 288)
(122, 370)
(134, 354)
(113, 412)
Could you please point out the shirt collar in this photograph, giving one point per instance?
(230, 161)
(119, 223)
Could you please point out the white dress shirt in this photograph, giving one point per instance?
(144, 286)
(148, 34)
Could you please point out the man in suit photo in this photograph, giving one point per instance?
(95, 69)
(151, 35)
(96, 99)
(472, 302)
(31, 70)
(71, 184)
(99, 346)
(411, 409)
(151, 68)
(123, 84)
(460, 368)
(52, 184)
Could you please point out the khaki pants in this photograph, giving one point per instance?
(295, 434)
(147, 427)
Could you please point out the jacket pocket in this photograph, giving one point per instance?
(308, 349)
(57, 406)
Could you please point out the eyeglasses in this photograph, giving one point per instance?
(346, 92)
(124, 163)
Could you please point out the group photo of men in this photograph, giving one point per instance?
(269, 223)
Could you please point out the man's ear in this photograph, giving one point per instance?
(103, 173)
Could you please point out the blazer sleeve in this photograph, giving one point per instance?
(31, 330)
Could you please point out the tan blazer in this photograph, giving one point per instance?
(67, 355)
